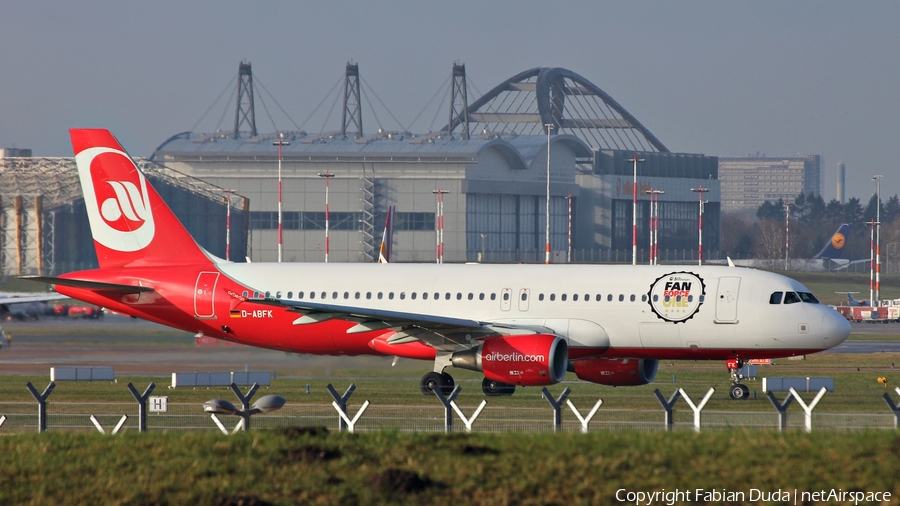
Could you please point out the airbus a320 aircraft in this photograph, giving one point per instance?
(517, 324)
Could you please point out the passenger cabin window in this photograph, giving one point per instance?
(290, 294)
(493, 296)
(346, 295)
(791, 298)
(245, 294)
(471, 296)
(541, 297)
(524, 295)
(312, 295)
(621, 298)
(562, 297)
(278, 294)
(505, 296)
(299, 295)
(552, 296)
(368, 295)
(480, 296)
(575, 297)
(599, 297)
(609, 298)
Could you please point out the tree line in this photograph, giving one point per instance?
(812, 222)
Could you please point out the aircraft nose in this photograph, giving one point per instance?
(835, 328)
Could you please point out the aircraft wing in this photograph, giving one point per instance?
(434, 330)
(23, 297)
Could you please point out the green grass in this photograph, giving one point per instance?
(490, 469)
(855, 390)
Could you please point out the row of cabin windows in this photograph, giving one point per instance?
(471, 296)
(792, 298)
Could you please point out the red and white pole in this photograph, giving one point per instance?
(280, 142)
(569, 230)
(700, 191)
(439, 224)
(228, 226)
(872, 266)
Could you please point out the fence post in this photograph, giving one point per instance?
(895, 409)
(782, 409)
(557, 404)
(585, 420)
(667, 405)
(696, 408)
(245, 403)
(341, 401)
(42, 404)
(808, 409)
(445, 401)
(142, 404)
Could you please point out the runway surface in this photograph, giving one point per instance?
(136, 347)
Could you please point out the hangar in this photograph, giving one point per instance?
(489, 164)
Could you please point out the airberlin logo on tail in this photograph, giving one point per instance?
(116, 198)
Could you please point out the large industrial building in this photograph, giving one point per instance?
(748, 182)
(44, 227)
(489, 164)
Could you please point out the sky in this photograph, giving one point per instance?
(720, 78)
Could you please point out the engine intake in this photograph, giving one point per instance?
(616, 372)
(530, 360)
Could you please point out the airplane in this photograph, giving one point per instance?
(517, 324)
(853, 302)
(26, 305)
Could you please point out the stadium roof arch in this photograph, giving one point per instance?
(527, 101)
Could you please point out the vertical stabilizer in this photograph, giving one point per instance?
(130, 223)
(384, 255)
(834, 247)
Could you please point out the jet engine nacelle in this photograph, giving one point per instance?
(618, 372)
(529, 360)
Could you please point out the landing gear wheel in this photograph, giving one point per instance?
(739, 391)
(430, 382)
(496, 388)
(447, 383)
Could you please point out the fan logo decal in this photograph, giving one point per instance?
(116, 198)
(676, 297)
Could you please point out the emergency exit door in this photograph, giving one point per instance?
(727, 300)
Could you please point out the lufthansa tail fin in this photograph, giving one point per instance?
(384, 255)
(130, 223)
(834, 247)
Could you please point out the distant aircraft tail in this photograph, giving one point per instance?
(130, 223)
(384, 255)
(853, 302)
(834, 247)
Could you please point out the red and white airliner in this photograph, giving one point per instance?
(517, 324)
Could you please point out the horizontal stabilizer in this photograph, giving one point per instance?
(90, 285)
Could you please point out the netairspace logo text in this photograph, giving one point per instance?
(791, 496)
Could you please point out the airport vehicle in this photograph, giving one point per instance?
(517, 324)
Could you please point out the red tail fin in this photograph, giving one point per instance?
(130, 223)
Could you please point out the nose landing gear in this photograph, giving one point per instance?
(738, 390)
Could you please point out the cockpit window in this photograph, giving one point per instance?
(791, 298)
(808, 297)
(775, 298)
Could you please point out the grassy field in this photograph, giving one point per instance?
(317, 467)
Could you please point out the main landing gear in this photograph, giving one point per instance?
(495, 388)
(738, 390)
(434, 380)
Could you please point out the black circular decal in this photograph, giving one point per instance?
(676, 297)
